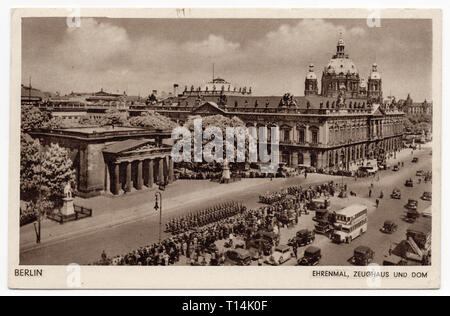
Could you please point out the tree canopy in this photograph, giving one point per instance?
(152, 120)
(32, 117)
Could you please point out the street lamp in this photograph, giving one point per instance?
(159, 207)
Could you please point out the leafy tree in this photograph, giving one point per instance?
(30, 171)
(152, 120)
(114, 117)
(57, 172)
(32, 117)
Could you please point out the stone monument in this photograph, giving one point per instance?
(67, 208)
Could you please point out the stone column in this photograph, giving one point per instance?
(139, 175)
(307, 158)
(128, 178)
(116, 177)
(160, 170)
(150, 175)
(294, 159)
(107, 178)
(171, 170)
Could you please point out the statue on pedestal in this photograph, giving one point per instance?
(67, 208)
(68, 190)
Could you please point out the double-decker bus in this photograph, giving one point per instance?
(350, 223)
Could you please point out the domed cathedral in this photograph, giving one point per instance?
(311, 86)
(340, 76)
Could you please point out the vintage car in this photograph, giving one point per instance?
(323, 228)
(319, 204)
(396, 194)
(321, 215)
(362, 256)
(419, 173)
(415, 160)
(270, 237)
(412, 204)
(426, 196)
(311, 257)
(302, 238)
(409, 183)
(238, 257)
(396, 168)
(411, 216)
(389, 227)
(394, 260)
(281, 254)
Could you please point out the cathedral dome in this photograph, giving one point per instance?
(341, 66)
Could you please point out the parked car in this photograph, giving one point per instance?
(396, 194)
(311, 257)
(389, 227)
(238, 257)
(302, 238)
(412, 204)
(411, 216)
(396, 168)
(426, 196)
(409, 183)
(281, 254)
(415, 160)
(362, 256)
(419, 173)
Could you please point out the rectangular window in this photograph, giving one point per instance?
(286, 135)
(315, 137)
(301, 136)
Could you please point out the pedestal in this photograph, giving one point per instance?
(67, 208)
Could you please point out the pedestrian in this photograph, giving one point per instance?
(370, 193)
(378, 202)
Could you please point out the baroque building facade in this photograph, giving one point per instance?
(340, 127)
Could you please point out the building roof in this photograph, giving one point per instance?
(422, 225)
(126, 145)
(270, 102)
(27, 92)
(341, 66)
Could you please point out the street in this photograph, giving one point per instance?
(123, 237)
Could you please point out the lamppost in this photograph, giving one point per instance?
(160, 211)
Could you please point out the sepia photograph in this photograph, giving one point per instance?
(294, 142)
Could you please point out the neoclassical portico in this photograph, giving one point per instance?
(136, 165)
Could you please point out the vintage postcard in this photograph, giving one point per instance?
(225, 149)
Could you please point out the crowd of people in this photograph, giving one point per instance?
(230, 222)
(204, 217)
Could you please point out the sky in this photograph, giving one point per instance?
(269, 55)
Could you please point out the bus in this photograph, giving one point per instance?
(350, 223)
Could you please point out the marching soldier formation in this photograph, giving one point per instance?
(204, 217)
(195, 236)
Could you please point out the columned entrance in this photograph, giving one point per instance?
(137, 167)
